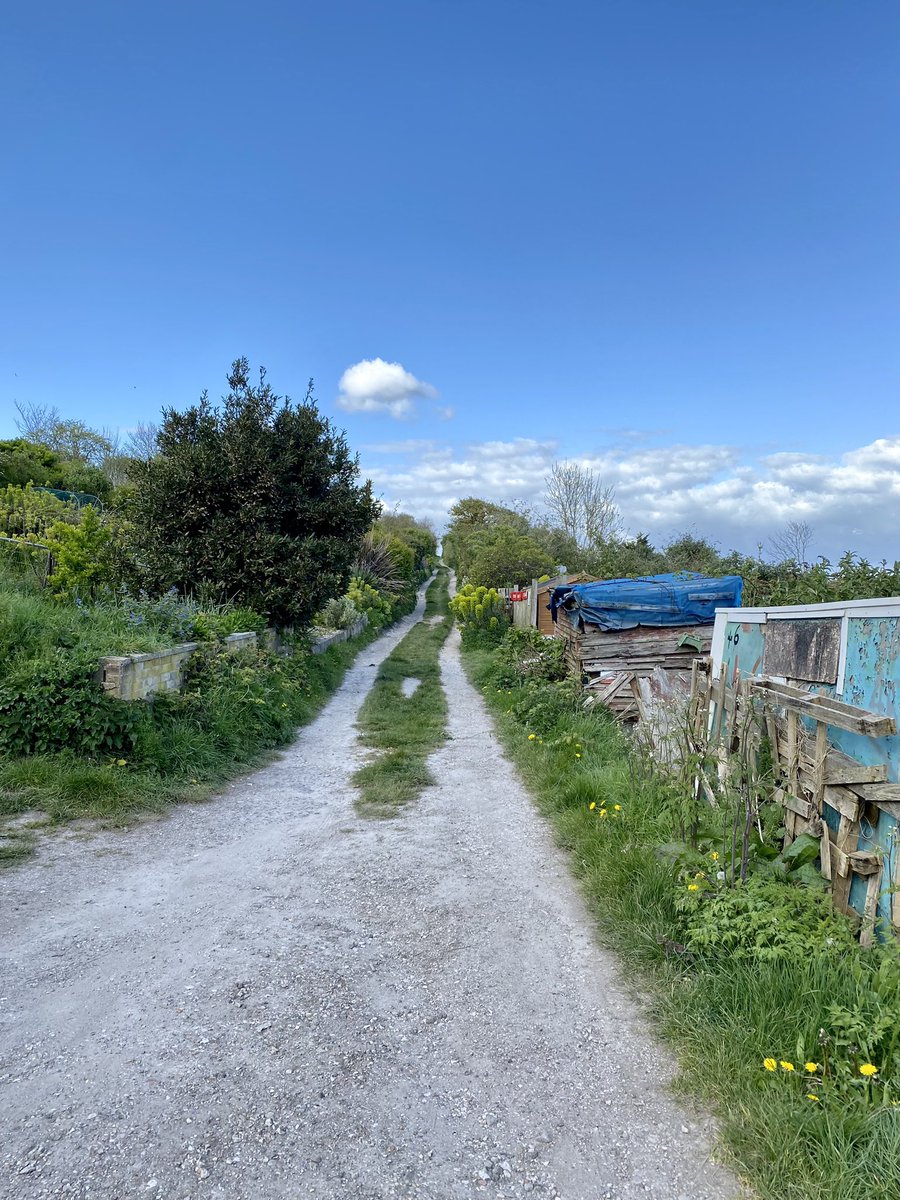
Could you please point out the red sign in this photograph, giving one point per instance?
(514, 596)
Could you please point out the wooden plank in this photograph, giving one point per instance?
(852, 773)
(821, 761)
(844, 801)
(840, 869)
(825, 708)
(870, 911)
(796, 804)
(863, 862)
(879, 793)
(825, 852)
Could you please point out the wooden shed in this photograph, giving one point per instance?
(608, 662)
(543, 619)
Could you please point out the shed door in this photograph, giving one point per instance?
(806, 648)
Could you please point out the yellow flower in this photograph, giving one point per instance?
(693, 887)
(122, 762)
(592, 805)
(810, 1096)
(770, 1064)
(787, 1066)
(868, 1069)
(532, 736)
(603, 812)
(617, 807)
(714, 855)
(578, 756)
(812, 1067)
(193, 781)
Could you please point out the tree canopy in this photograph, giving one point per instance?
(257, 500)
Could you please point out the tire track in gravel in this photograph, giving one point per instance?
(266, 996)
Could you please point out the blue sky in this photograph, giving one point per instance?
(662, 236)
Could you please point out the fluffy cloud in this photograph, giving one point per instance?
(851, 500)
(376, 386)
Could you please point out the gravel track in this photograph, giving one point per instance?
(266, 996)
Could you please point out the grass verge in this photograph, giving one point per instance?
(730, 1005)
(234, 712)
(403, 730)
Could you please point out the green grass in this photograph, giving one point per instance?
(402, 731)
(722, 1015)
(232, 718)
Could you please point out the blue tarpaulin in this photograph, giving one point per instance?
(682, 599)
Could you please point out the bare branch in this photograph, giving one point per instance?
(581, 504)
(792, 543)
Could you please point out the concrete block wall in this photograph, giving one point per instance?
(137, 676)
(321, 644)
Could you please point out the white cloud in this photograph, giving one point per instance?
(852, 500)
(376, 386)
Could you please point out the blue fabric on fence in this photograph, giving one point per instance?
(682, 599)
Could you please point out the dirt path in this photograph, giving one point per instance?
(267, 997)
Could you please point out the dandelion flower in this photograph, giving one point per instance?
(532, 736)
(617, 807)
(693, 887)
(868, 1069)
(578, 756)
(603, 812)
(787, 1066)
(812, 1067)
(714, 855)
(770, 1064)
(810, 1096)
(592, 805)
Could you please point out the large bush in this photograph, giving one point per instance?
(256, 501)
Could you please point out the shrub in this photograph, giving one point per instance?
(340, 613)
(55, 703)
(257, 502)
(527, 654)
(369, 600)
(481, 614)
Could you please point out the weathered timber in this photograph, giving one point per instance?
(826, 708)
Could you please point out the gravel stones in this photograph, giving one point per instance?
(265, 996)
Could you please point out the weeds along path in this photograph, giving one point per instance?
(268, 996)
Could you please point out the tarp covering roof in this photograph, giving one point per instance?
(685, 598)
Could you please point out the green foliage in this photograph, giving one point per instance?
(79, 557)
(405, 730)
(54, 703)
(256, 501)
(481, 615)
(23, 462)
(339, 613)
(525, 654)
(368, 600)
(416, 535)
(765, 920)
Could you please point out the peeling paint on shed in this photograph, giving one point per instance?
(868, 675)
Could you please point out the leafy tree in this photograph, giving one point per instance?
(469, 518)
(256, 501)
(504, 557)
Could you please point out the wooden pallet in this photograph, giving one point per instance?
(811, 775)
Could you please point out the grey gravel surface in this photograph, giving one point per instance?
(267, 997)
